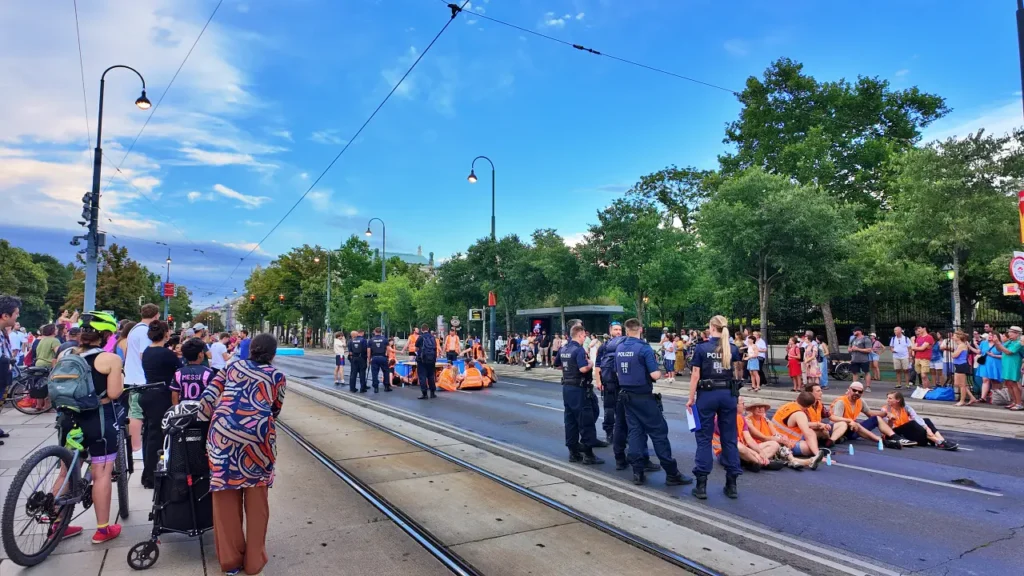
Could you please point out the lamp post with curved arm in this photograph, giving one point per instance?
(93, 243)
(383, 256)
(472, 180)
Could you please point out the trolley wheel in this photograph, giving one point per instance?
(842, 371)
(143, 555)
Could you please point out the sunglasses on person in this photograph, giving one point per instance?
(857, 392)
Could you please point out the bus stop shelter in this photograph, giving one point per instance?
(595, 318)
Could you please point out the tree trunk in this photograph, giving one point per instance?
(640, 309)
(872, 313)
(762, 297)
(956, 289)
(830, 325)
(563, 319)
(508, 320)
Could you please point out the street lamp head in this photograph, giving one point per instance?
(316, 259)
(168, 259)
(472, 177)
(368, 231)
(143, 103)
(950, 274)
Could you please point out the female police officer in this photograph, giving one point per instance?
(714, 392)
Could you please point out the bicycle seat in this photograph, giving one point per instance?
(37, 370)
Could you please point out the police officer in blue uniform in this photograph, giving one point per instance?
(379, 360)
(614, 415)
(637, 370)
(578, 399)
(714, 392)
(357, 361)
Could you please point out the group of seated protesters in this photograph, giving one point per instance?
(801, 433)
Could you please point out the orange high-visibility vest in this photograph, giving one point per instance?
(850, 411)
(781, 419)
(716, 440)
(451, 343)
(472, 379)
(412, 342)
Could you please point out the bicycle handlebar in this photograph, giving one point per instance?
(137, 387)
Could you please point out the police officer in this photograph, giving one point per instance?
(426, 362)
(614, 416)
(714, 392)
(379, 360)
(637, 370)
(357, 361)
(578, 398)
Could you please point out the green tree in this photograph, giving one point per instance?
(762, 228)
(838, 135)
(396, 299)
(680, 191)
(120, 282)
(568, 279)
(57, 278)
(954, 200)
(211, 319)
(362, 310)
(21, 277)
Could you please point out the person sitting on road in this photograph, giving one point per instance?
(488, 374)
(817, 414)
(449, 378)
(763, 431)
(845, 410)
(791, 420)
(905, 422)
(753, 454)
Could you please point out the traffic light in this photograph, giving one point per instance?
(252, 298)
(86, 210)
(280, 297)
(170, 318)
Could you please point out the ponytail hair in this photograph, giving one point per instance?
(724, 345)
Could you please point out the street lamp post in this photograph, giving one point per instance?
(93, 241)
(472, 180)
(383, 257)
(327, 314)
(167, 280)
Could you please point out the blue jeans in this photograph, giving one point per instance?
(643, 419)
(580, 418)
(710, 403)
(824, 373)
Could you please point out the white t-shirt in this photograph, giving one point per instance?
(18, 339)
(762, 348)
(669, 348)
(900, 346)
(340, 347)
(138, 341)
(217, 352)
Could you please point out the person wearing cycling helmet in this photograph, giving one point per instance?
(100, 433)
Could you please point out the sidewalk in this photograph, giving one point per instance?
(875, 398)
(318, 524)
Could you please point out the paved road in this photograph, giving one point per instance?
(898, 507)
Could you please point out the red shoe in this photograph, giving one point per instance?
(113, 531)
(27, 403)
(71, 531)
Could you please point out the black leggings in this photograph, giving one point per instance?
(154, 404)
(915, 432)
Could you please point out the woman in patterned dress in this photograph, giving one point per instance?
(243, 402)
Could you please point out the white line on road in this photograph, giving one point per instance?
(464, 391)
(514, 384)
(924, 480)
(546, 407)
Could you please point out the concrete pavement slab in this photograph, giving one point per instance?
(465, 507)
(569, 550)
(176, 559)
(507, 469)
(361, 444)
(398, 467)
(689, 543)
(79, 564)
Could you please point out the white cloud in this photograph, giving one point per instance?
(902, 73)
(247, 246)
(572, 240)
(436, 79)
(737, 47)
(248, 201)
(329, 136)
(996, 119)
(320, 199)
(393, 75)
(194, 196)
(251, 223)
(282, 134)
(219, 158)
(551, 21)
(580, 16)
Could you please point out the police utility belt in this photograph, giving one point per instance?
(731, 385)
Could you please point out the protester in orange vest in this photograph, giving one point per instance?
(791, 420)
(753, 455)
(448, 379)
(473, 379)
(764, 431)
(452, 346)
(905, 422)
(845, 426)
(817, 414)
(489, 376)
(410, 344)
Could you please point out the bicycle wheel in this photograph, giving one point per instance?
(121, 470)
(32, 523)
(19, 391)
(842, 371)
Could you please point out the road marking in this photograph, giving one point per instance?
(546, 407)
(464, 391)
(965, 448)
(924, 480)
(514, 384)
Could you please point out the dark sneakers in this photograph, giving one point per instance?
(679, 479)
(822, 453)
(947, 445)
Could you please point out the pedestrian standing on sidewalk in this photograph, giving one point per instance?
(243, 404)
(1011, 363)
(900, 346)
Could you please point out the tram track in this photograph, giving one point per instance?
(434, 546)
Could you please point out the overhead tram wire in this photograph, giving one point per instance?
(455, 11)
(81, 68)
(167, 89)
(582, 48)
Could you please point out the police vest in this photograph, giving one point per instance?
(709, 359)
(571, 375)
(379, 346)
(357, 346)
(606, 360)
(630, 368)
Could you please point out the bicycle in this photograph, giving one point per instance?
(49, 502)
(26, 380)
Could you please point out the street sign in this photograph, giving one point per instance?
(168, 290)
(476, 315)
(1017, 267)
(455, 322)
(1011, 289)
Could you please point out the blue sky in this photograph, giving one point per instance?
(274, 90)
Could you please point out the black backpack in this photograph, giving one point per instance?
(427, 348)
